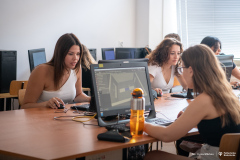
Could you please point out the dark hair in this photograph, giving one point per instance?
(173, 35)
(212, 41)
(161, 54)
(64, 43)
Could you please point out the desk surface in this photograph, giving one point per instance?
(7, 95)
(34, 134)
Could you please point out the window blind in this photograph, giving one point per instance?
(219, 18)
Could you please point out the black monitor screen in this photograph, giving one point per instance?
(138, 53)
(113, 84)
(36, 57)
(124, 60)
(124, 53)
(227, 64)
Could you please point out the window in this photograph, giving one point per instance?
(219, 18)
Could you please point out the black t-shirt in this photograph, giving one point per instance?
(211, 130)
(86, 78)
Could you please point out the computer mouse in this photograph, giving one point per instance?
(159, 94)
(236, 87)
(61, 106)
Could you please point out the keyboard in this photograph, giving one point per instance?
(121, 127)
(159, 121)
(83, 107)
(183, 95)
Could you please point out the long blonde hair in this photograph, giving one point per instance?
(87, 58)
(209, 77)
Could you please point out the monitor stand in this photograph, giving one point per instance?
(152, 114)
(110, 121)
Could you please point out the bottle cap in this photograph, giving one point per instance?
(137, 92)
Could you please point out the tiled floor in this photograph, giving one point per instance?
(168, 147)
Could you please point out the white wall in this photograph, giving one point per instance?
(31, 24)
(169, 17)
(155, 23)
(142, 23)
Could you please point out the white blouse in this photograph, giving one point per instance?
(67, 92)
(159, 81)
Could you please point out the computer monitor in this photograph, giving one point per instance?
(138, 53)
(108, 53)
(227, 64)
(113, 84)
(93, 52)
(124, 53)
(124, 60)
(129, 53)
(36, 57)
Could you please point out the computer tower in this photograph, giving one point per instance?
(8, 69)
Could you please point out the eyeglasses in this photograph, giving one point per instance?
(180, 69)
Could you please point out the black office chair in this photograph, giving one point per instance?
(108, 53)
(36, 57)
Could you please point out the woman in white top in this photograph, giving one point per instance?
(163, 63)
(59, 80)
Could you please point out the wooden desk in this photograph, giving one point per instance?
(7, 95)
(34, 134)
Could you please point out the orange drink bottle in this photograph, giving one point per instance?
(137, 112)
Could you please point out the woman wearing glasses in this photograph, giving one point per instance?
(215, 44)
(163, 63)
(215, 110)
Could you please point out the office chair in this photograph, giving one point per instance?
(36, 57)
(230, 143)
(158, 154)
(108, 53)
(176, 86)
(21, 94)
(15, 86)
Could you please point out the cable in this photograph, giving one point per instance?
(62, 118)
(77, 117)
(164, 115)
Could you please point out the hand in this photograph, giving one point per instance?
(179, 114)
(158, 90)
(235, 84)
(54, 103)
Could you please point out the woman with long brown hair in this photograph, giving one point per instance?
(215, 110)
(59, 80)
(163, 63)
